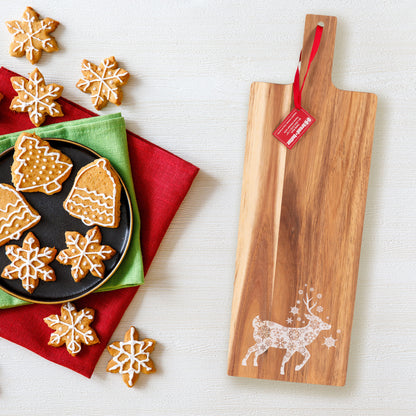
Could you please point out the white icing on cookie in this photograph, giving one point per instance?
(83, 249)
(51, 185)
(29, 263)
(107, 212)
(14, 212)
(37, 98)
(71, 332)
(30, 34)
(105, 78)
(127, 360)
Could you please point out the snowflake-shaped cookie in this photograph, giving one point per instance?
(72, 328)
(131, 357)
(85, 254)
(31, 36)
(29, 263)
(103, 82)
(36, 98)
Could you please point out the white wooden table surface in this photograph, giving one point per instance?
(191, 64)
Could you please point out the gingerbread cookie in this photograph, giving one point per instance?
(36, 98)
(95, 195)
(29, 263)
(16, 215)
(31, 36)
(72, 328)
(37, 166)
(131, 357)
(103, 82)
(85, 254)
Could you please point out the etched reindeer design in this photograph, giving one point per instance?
(271, 334)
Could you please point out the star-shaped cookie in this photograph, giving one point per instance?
(85, 254)
(103, 82)
(31, 36)
(131, 357)
(29, 263)
(36, 98)
(72, 328)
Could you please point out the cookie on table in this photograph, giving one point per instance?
(72, 328)
(29, 263)
(37, 166)
(95, 195)
(16, 215)
(103, 82)
(85, 254)
(131, 357)
(36, 98)
(31, 36)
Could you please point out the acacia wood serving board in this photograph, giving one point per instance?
(301, 222)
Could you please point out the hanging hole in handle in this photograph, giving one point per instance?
(321, 24)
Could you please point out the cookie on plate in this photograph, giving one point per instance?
(31, 36)
(85, 254)
(37, 166)
(72, 328)
(131, 357)
(103, 82)
(16, 215)
(36, 98)
(95, 195)
(29, 263)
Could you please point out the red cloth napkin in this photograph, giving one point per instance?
(161, 180)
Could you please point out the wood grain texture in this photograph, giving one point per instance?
(301, 221)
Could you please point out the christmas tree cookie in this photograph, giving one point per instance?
(95, 195)
(16, 215)
(38, 167)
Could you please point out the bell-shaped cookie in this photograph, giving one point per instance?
(95, 195)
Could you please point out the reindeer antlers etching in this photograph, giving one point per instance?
(268, 334)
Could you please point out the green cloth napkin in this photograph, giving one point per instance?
(107, 136)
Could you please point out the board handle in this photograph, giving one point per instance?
(321, 70)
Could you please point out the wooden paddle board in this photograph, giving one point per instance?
(301, 222)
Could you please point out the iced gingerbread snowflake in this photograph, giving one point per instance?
(29, 263)
(85, 254)
(103, 82)
(31, 36)
(36, 98)
(72, 328)
(131, 357)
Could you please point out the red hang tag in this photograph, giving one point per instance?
(293, 127)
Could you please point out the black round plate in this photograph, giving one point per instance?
(50, 231)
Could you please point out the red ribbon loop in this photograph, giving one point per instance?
(297, 92)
